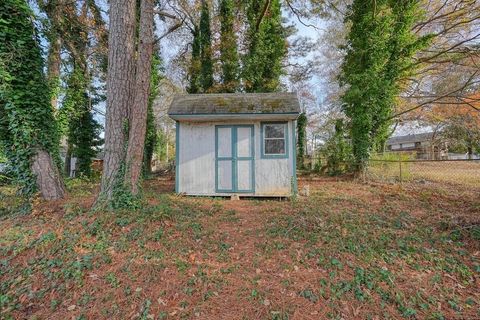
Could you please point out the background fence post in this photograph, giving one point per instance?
(400, 165)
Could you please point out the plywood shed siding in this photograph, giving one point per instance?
(196, 161)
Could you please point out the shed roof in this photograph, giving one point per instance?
(234, 104)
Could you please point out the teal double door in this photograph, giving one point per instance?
(234, 159)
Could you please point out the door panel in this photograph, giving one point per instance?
(224, 142)
(224, 175)
(244, 142)
(244, 175)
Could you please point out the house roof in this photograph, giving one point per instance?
(411, 138)
(234, 105)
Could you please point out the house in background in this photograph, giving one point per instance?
(423, 145)
(235, 144)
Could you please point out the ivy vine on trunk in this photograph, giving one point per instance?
(201, 64)
(28, 130)
(228, 48)
(151, 135)
(302, 139)
(266, 41)
(380, 51)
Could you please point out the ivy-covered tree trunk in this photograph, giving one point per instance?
(151, 134)
(194, 70)
(53, 9)
(82, 130)
(150, 142)
(201, 64)
(53, 70)
(302, 139)
(380, 50)
(206, 75)
(68, 160)
(228, 48)
(120, 84)
(266, 42)
(28, 130)
(138, 115)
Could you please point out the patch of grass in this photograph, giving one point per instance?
(309, 295)
(182, 266)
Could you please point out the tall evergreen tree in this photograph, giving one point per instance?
(228, 48)
(206, 75)
(85, 140)
(83, 130)
(28, 130)
(201, 64)
(195, 63)
(75, 116)
(151, 135)
(266, 39)
(380, 54)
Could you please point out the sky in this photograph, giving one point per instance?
(170, 47)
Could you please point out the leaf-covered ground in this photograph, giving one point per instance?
(350, 250)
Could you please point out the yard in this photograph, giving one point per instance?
(351, 250)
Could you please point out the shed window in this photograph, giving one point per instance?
(274, 140)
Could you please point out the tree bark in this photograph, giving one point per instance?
(120, 83)
(53, 69)
(49, 180)
(138, 114)
(54, 10)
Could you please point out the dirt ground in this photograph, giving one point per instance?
(350, 250)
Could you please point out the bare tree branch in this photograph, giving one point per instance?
(449, 94)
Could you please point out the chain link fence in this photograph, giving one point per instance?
(406, 167)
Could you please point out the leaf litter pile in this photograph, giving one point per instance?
(348, 251)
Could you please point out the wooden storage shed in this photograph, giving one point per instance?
(236, 143)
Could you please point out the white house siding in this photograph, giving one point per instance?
(196, 176)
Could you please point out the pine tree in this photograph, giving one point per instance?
(267, 49)
(85, 139)
(82, 130)
(206, 75)
(73, 107)
(228, 48)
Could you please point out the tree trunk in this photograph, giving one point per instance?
(53, 69)
(68, 161)
(167, 151)
(120, 83)
(148, 167)
(49, 181)
(138, 115)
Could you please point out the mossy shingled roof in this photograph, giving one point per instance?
(235, 103)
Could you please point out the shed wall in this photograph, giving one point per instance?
(196, 161)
